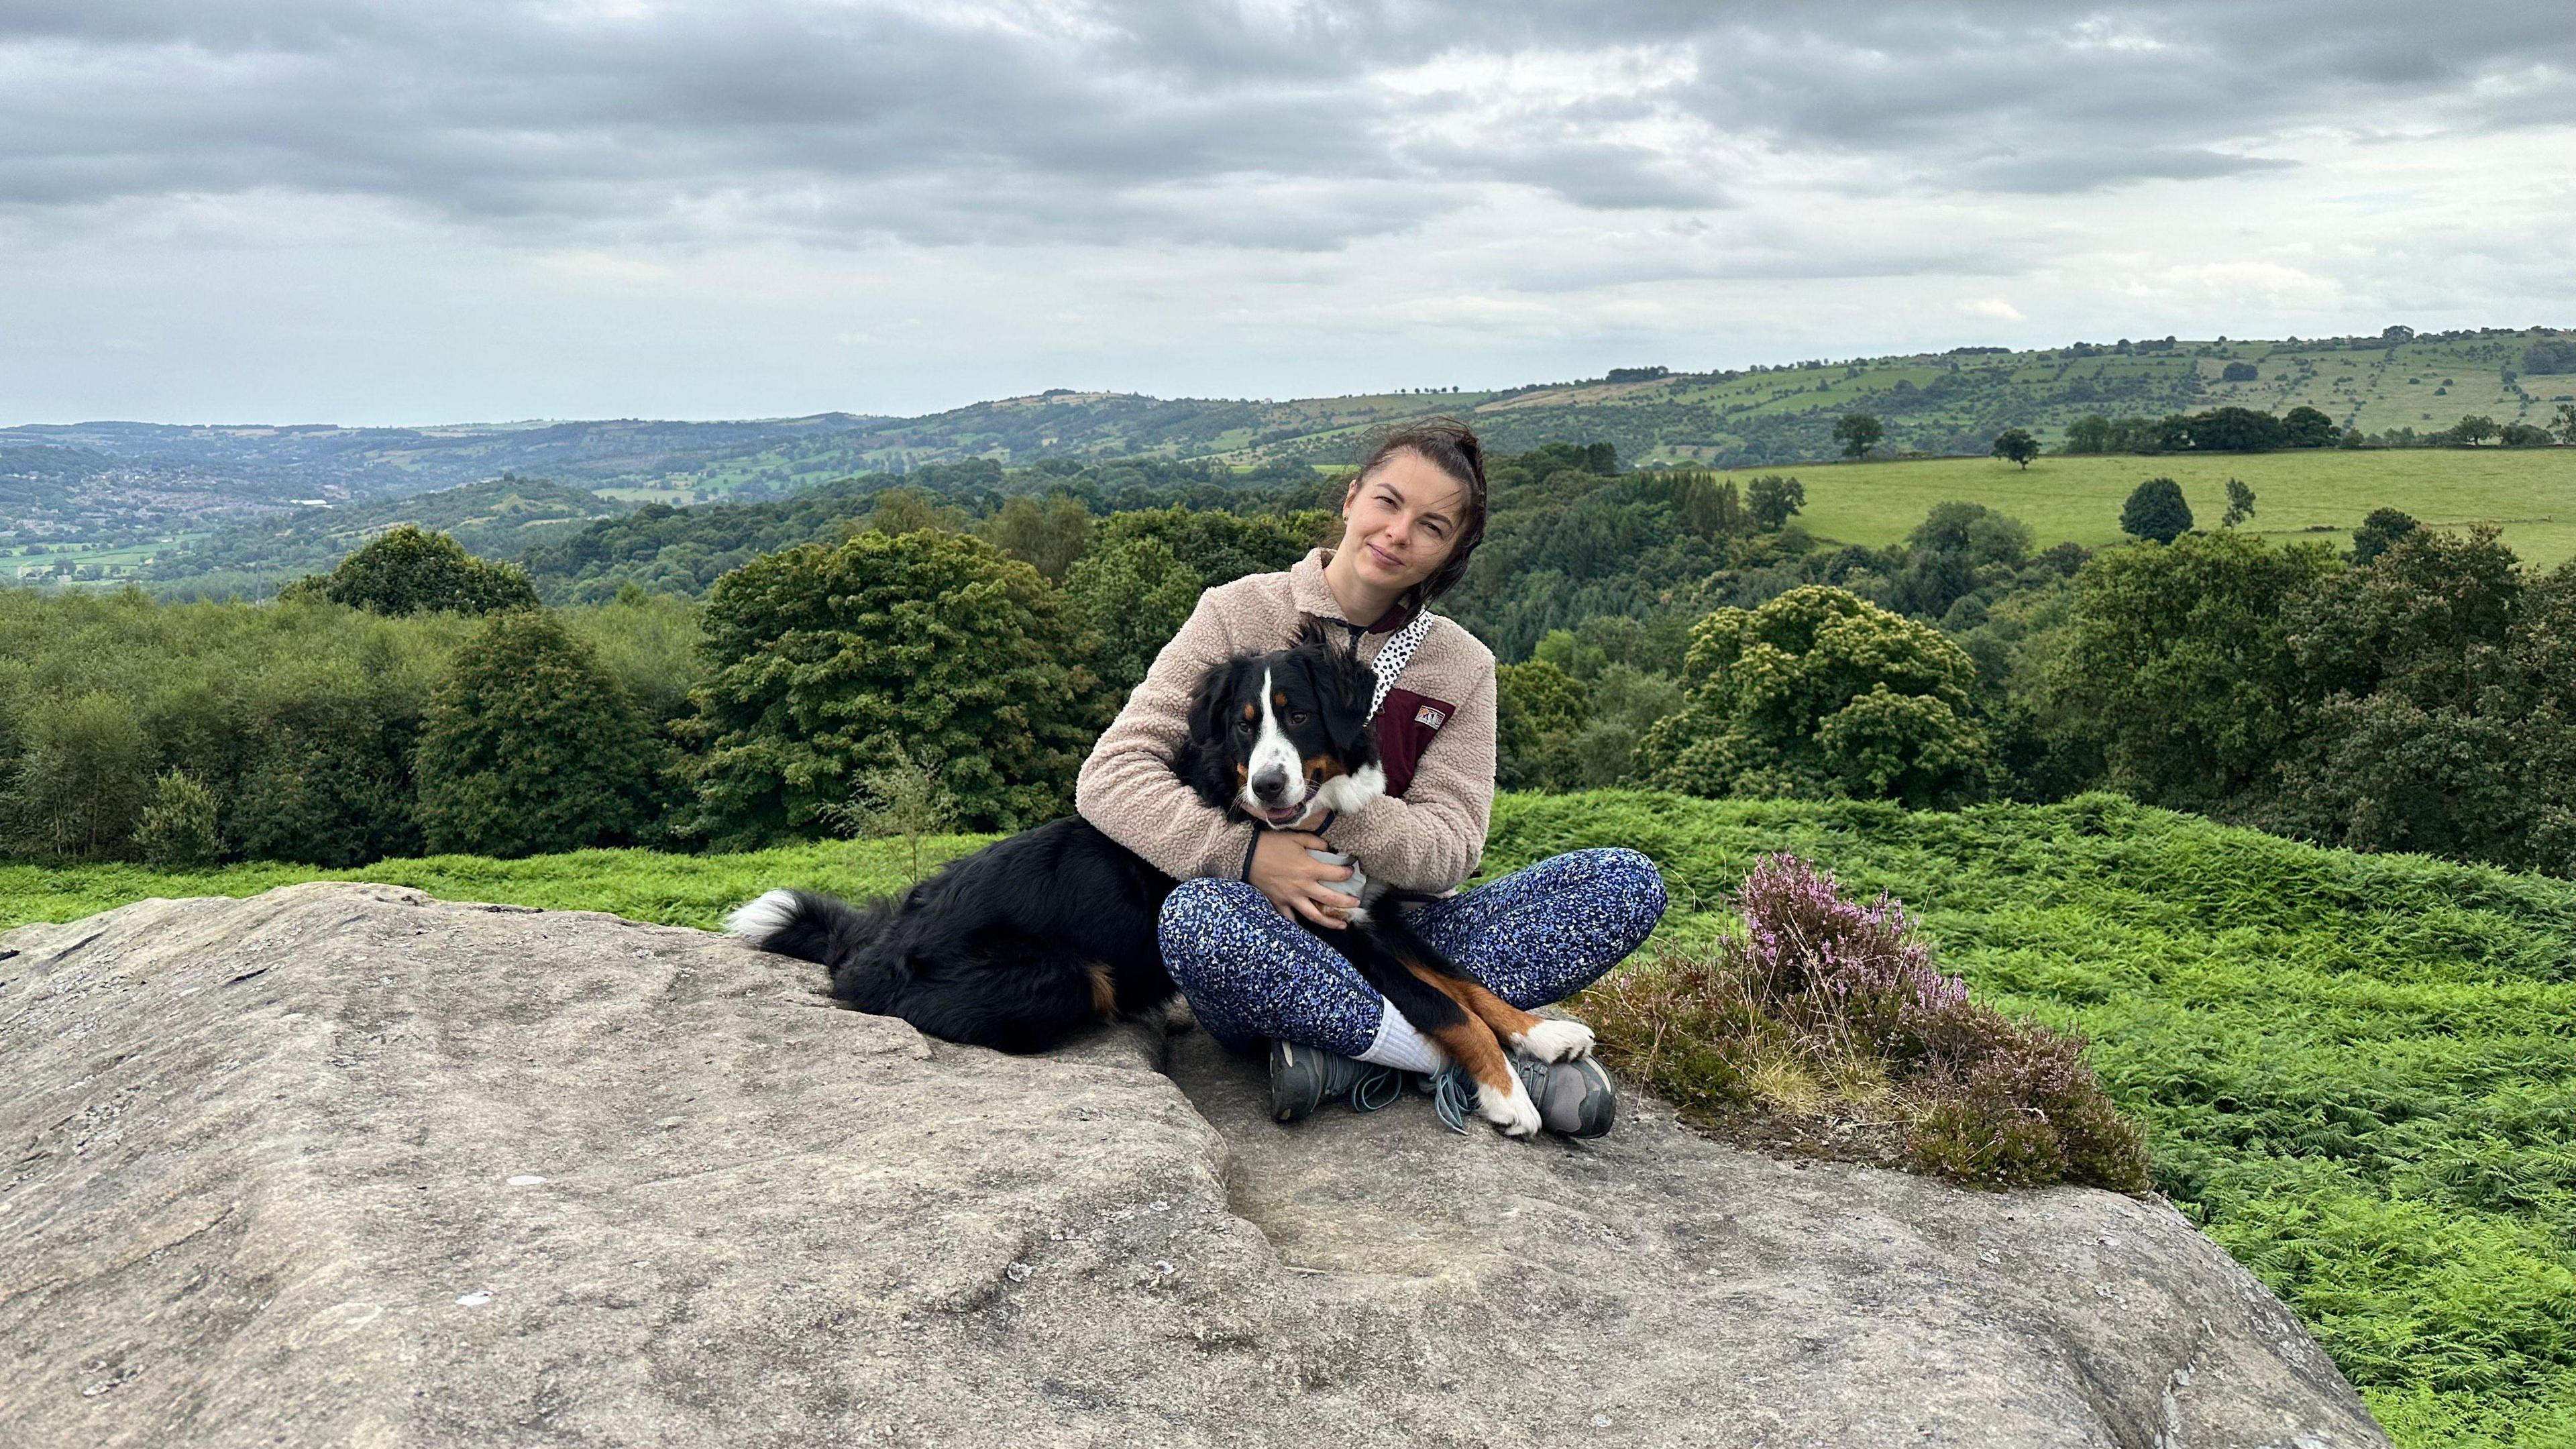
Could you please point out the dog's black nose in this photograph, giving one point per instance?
(1269, 785)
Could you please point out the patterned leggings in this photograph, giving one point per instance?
(1533, 937)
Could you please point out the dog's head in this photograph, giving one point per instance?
(1269, 732)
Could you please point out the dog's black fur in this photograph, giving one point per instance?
(1021, 944)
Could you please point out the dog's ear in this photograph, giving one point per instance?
(1342, 689)
(1207, 760)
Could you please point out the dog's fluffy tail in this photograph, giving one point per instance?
(844, 939)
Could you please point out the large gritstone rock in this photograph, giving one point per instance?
(346, 1164)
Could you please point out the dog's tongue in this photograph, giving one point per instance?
(1284, 814)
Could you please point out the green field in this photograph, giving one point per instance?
(2529, 492)
(2358, 1072)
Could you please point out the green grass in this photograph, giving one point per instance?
(641, 885)
(2358, 1072)
(2530, 492)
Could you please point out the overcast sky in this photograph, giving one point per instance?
(474, 209)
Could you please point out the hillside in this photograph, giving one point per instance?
(129, 480)
(500, 518)
(2530, 493)
(2354, 1070)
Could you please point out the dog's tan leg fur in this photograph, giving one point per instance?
(1104, 993)
(1530, 1034)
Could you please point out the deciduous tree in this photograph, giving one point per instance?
(1821, 693)
(2380, 528)
(1774, 498)
(1858, 433)
(2156, 510)
(828, 662)
(409, 570)
(2240, 503)
(530, 747)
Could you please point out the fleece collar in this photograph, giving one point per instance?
(1314, 596)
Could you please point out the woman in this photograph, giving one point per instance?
(1413, 515)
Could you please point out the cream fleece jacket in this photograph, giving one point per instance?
(1436, 730)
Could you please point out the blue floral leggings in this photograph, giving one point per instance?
(1532, 937)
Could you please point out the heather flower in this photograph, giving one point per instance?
(1865, 963)
(1816, 989)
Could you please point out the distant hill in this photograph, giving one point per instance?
(134, 480)
(499, 518)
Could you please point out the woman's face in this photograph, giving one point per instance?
(1401, 520)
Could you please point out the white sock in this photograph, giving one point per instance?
(1399, 1046)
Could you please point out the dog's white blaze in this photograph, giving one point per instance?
(1273, 748)
(758, 919)
(1556, 1041)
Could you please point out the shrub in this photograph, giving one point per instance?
(178, 828)
(1826, 1009)
(531, 748)
(902, 801)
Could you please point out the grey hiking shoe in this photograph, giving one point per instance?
(1303, 1078)
(1574, 1097)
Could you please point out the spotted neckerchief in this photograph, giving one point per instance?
(1391, 658)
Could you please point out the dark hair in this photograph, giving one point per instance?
(1450, 446)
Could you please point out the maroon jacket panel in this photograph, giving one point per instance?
(1406, 724)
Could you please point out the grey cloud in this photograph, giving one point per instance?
(1179, 122)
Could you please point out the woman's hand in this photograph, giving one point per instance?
(1294, 880)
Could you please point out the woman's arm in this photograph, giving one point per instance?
(1432, 837)
(1130, 786)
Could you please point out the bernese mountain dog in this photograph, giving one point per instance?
(1033, 938)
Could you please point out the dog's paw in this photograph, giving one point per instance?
(1556, 1041)
(1343, 794)
(1516, 1114)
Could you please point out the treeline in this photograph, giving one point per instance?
(2250, 430)
(958, 645)
(418, 699)
(959, 628)
(2414, 693)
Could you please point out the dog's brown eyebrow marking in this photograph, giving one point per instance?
(1251, 712)
(1279, 697)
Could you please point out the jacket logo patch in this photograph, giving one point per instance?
(1429, 718)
